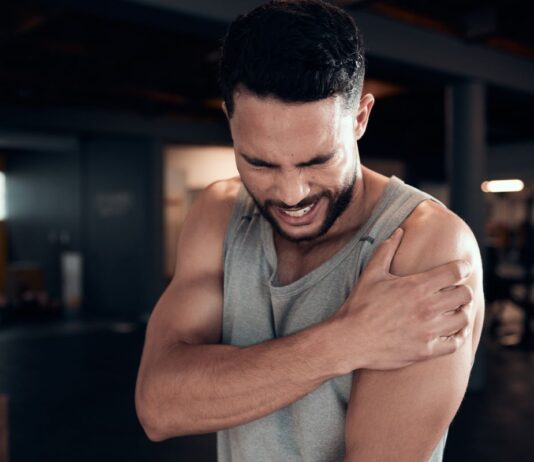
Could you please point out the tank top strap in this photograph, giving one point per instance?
(400, 201)
(243, 210)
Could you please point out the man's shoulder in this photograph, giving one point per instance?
(222, 193)
(432, 219)
(433, 235)
(216, 202)
(211, 210)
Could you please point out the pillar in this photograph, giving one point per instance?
(465, 107)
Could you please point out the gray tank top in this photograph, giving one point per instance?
(257, 308)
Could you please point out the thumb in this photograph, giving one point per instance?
(380, 262)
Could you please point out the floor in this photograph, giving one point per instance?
(71, 386)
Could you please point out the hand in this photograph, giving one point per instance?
(392, 321)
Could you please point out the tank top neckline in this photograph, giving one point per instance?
(311, 278)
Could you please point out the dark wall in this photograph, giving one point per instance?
(119, 224)
(43, 206)
(104, 200)
(109, 192)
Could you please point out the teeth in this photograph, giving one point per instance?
(298, 213)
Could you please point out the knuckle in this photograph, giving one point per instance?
(466, 294)
(453, 345)
(456, 270)
(463, 335)
(470, 293)
(426, 351)
(463, 318)
(418, 292)
(426, 312)
(457, 342)
(449, 343)
(468, 307)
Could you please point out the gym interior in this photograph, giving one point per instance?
(111, 124)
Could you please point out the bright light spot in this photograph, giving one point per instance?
(2, 196)
(495, 186)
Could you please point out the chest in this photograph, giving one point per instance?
(294, 263)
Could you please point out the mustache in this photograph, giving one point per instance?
(303, 203)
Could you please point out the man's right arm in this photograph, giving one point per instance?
(188, 383)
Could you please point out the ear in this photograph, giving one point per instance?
(362, 117)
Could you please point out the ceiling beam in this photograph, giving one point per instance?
(444, 53)
(220, 11)
(396, 41)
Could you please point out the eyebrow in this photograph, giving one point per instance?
(316, 160)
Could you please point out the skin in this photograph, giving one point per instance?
(400, 415)
(283, 141)
(400, 329)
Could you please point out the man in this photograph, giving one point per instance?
(279, 330)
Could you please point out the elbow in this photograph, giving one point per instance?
(147, 414)
(148, 421)
(153, 419)
(153, 433)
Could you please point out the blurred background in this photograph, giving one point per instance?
(110, 124)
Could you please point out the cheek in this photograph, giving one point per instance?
(348, 168)
(334, 176)
(259, 183)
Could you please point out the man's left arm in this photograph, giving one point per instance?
(401, 415)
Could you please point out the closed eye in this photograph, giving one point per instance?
(258, 163)
(317, 160)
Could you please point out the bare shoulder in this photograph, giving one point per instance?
(201, 239)
(434, 235)
(210, 213)
(215, 203)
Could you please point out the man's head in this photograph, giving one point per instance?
(291, 74)
(295, 51)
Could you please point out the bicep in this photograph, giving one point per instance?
(402, 414)
(190, 309)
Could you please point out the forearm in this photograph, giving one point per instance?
(205, 388)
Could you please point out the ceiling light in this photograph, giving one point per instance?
(495, 186)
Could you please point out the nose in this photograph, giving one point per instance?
(292, 187)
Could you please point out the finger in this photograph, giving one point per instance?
(451, 344)
(448, 325)
(450, 299)
(380, 262)
(446, 275)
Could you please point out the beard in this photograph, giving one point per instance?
(337, 204)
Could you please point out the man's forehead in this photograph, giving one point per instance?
(267, 128)
(258, 114)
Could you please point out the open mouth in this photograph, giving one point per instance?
(298, 216)
(299, 212)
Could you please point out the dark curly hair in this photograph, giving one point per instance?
(295, 51)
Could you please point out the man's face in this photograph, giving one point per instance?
(298, 161)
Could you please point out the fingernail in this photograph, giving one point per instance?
(466, 268)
